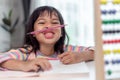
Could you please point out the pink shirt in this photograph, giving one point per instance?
(22, 53)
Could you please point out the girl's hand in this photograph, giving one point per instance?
(75, 57)
(36, 65)
(68, 57)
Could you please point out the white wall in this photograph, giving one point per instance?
(16, 5)
(84, 31)
(78, 14)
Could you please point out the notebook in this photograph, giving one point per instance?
(12, 74)
(58, 69)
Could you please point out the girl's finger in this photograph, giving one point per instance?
(47, 65)
(62, 55)
(67, 61)
(65, 58)
(34, 68)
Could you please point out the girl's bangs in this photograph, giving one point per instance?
(48, 13)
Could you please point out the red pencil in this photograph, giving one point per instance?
(49, 58)
(38, 31)
(52, 58)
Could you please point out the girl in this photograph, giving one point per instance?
(45, 36)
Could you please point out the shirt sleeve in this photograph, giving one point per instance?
(19, 54)
(78, 48)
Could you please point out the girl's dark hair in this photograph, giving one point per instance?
(31, 41)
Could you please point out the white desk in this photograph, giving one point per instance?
(91, 75)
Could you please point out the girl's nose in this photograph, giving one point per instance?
(48, 26)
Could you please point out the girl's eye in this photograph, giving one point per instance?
(41, 23)
(55, 23)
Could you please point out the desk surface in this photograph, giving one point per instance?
(91, 75)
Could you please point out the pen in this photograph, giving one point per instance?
(34, 32)
(52, 58)
(49, 58)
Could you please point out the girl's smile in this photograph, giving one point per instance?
(48, 34)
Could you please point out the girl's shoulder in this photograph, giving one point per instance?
(25, 49)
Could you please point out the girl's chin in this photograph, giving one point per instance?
(48, 41)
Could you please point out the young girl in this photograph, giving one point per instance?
(45, 36)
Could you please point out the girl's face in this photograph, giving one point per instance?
(49, 36)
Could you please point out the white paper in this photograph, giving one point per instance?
(59, 68)
(17, 74)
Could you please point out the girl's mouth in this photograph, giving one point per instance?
(48, 34)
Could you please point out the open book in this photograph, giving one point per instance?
(13, 74)
(58, 68)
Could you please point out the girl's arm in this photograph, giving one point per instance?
(19, 54)
(12, 55)
(29, 65)
(77, 54)
(17, 60)
(12, 64)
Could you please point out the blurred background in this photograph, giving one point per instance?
(78, 15)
